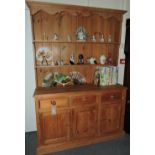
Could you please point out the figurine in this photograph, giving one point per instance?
(80, 59)
(44, 60)
(56, 37)
(93, 38)
(56, 63)
(72, 60)
(109, 59)
(102, 38)
(61, 62)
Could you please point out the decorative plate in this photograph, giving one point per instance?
(77, 77)
(42, 53)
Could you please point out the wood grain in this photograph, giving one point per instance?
(84, 114)
(63, 20)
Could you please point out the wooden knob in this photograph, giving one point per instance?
(53, 102)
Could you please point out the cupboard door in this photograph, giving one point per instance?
(110, 117)
(84, 122)
(55, 128)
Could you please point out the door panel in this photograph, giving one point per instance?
(110, 117)
(55, 128)
(84, 121)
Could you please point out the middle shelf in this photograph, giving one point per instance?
(86, 72)
(73, 66)
(75, 42)
(64, 53)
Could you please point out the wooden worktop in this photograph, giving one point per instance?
(74, 88)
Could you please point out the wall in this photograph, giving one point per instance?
(30, 124)
(30, 80)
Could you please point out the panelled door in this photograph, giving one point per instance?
(85, 121)
(110, 116)
(55, 128)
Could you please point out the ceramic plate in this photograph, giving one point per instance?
(44, 52)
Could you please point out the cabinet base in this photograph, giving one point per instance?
(75, 143)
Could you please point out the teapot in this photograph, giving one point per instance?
(92, 60)
(102, 59)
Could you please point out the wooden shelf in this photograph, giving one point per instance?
(74, 88)
(65, 22)
(74, 42)
(64, 112)
(76, 65)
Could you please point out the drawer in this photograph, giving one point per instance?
(83, 100)
(111, 96)
(60, 102)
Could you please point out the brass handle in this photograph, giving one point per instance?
(53, 108)
(53, 103)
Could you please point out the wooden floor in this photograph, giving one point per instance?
(119, 146)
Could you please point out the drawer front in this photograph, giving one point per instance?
(61, 102)
(111, 96)
(83, 100)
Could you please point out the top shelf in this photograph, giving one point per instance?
(74, 42)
